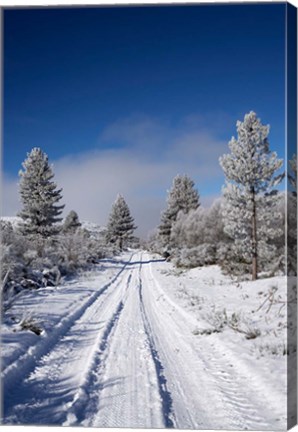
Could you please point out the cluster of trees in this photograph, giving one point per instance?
(41, 247)
(244, 230)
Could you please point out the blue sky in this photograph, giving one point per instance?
(122, 99)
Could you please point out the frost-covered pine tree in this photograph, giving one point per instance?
(71, 222)
(292, 175)
(120, 226)
(39, 196)
(292, 217)
(182, 197)
(165, 227)
(251, 174)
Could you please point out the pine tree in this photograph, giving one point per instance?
(292, 175)
(292, 217)
(39, 196)
(182, 197)
(250, 171)
(72, 222)
(165, 227)
(121, 224)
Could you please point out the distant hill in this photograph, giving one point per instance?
(96, 231)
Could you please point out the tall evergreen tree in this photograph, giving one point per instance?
(250, 171)
(182, 197)
(39, 196)
(72, 222)
(120, 226)
(292, 217)
(292, 175)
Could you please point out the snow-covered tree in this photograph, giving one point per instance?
(182, 197)
(292, 175)
(292, 217)
(120, 226)
(165, 228)
(39, 196)
(71, 222)
(249, 196)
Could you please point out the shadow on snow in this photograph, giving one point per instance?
(129, 263)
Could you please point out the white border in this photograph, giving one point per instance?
(12, 3)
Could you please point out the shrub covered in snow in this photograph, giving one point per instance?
(198, 238)
(201, 255)
(29, 263)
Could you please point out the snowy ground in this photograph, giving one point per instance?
(138, 343)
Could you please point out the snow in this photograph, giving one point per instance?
(93, 228)
(132, 344)
(14, 220)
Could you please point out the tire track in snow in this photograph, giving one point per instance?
(86, 398)
(165, 394)
(229, 386)
(183, 370)
(246, 409)
(17, 373)
(127, 389)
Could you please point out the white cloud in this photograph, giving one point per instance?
(142, 170)
(10, 204)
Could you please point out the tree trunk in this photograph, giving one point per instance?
(254, 238)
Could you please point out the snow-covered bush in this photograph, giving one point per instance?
(198, 237)
(217, 319)
(13, 257)
(29, 323)
(31, 262)
(74, 250)
(231, 262)
(201, 255)
(220, 320)
(271, 349)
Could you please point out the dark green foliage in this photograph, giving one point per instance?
(39, 196)
(71, 223)
(120, 225)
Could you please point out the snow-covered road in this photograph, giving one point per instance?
(125, 355)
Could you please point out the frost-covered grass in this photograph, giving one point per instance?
(254, 311)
